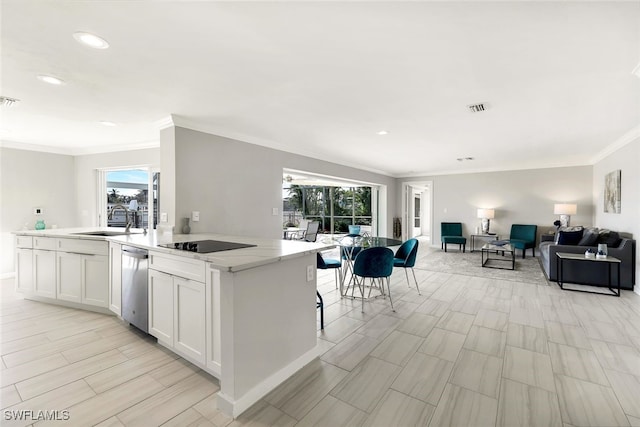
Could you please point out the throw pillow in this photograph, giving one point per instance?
(613, 240)
(575, 228)
(589, 237)
(569, 237)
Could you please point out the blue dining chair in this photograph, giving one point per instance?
(329, 263)
(405, 258)
(374, 263)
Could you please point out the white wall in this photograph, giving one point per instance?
(30, 179)
(518, 197)
(627, 159)
(85, 185)
(235, 185)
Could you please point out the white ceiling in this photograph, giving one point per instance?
(322, 78)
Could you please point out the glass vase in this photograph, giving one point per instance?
(186, 229)
(40, 224)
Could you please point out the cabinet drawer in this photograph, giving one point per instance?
(24, 242)
(180, 266)
(44, 243)
(82, 246)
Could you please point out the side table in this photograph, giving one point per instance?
(562, 257)
(482, 236)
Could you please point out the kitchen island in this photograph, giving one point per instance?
(246, 316)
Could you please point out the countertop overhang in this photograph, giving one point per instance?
(266, 251)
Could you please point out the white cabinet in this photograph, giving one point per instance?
(69, 276)
(212, 327)
(83, 278)
(115, 278)
(177, 304)
(24, 270)
(161, 306)
(44, 267)
(95, 280)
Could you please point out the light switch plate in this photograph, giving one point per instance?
(274, 211)
(195, 216)
(37, 211)
(310, 270)
(164, 217)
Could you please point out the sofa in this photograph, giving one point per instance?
(586, 273)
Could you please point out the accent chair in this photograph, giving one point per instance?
(523, 237)
(451, 232)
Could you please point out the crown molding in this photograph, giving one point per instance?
(68, 151)
(625, 139)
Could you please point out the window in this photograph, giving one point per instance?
(334, 207)
(127, 188)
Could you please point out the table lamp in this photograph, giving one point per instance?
(565, 210)
(485, 215)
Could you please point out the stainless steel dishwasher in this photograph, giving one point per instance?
(135, 287)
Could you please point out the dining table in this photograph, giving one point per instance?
(350, 245)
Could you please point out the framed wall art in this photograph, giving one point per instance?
(612, 191)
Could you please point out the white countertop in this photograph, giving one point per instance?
(266, 251)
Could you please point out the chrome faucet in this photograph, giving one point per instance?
(126, 218)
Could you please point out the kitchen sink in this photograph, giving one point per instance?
(106, 233)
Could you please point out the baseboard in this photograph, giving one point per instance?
(234, 408)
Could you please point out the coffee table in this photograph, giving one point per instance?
(503, 253)
(475, 237)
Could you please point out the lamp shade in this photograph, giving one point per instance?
(565, 209)
(486, 213)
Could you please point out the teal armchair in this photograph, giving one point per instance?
(523, 237)
(451, 232)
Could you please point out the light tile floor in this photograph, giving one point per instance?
(469, 351)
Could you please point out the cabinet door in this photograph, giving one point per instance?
(69, 280)
(213, 320)
(115, 278)
(95, 280)
(44, 273)
(24, 270)
(189, 323)
(161, 306)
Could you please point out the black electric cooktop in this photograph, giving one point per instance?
(206, 246)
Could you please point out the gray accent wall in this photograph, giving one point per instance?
(30, 179)
(518, 197)
(236, 185)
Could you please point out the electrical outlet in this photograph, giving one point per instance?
(195, 216)
(164, 217)
(310, 271)
(37, 211)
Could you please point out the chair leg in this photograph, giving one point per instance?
(464, 247)
(320, 305)
(414, 278)
(407, 274)
(445, 247)
(389, 289)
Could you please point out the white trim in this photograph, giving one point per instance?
(71, 151)
(9, 275)
(236, 407)
(625, 139)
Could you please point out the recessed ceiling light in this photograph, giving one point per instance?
(382, 132)
(50, 79)
(90, 40)
(105, 123)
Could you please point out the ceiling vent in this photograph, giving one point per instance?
(5, 101)
(476, 108)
